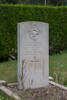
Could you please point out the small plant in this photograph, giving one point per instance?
(3, 98)
(6, 98)
(58, 76)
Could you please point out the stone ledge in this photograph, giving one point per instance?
(9, 92)
(2, 82)
(58, 85)
(50, 78)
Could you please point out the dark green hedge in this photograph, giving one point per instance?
(10, 15)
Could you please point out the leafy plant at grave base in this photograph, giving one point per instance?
(4, 98)
(58, 76)
(10, 15)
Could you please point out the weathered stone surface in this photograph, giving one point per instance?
(33, 52)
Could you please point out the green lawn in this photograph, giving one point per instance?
(8, 71)
(58, 69)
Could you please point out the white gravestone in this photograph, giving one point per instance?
(33, 55)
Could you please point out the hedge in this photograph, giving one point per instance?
(10, 15)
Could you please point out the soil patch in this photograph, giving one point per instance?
(49, 93)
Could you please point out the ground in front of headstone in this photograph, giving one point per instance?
(49, 93)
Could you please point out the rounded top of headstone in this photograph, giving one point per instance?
(34, 22)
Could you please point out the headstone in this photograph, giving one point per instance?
(33, 55)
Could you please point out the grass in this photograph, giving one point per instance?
(8, 71)
(58, 69)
